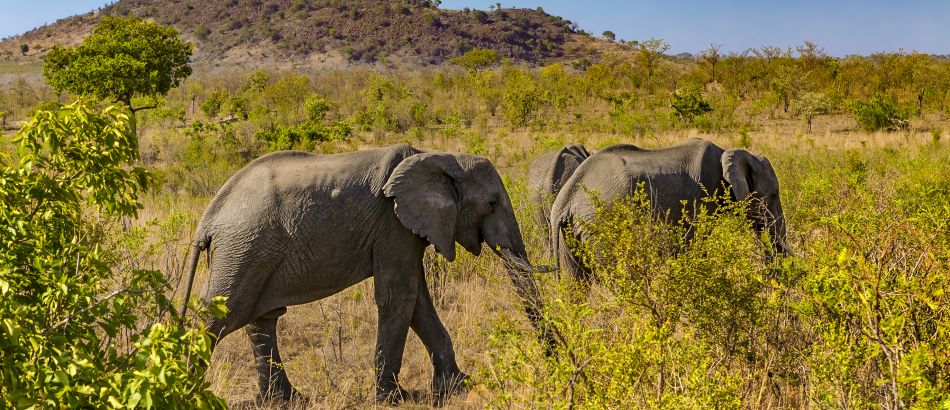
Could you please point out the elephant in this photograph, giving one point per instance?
(672, 176)
(547, 174)
(292, 227)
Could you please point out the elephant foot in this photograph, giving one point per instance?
(445, 386)
(390, 395)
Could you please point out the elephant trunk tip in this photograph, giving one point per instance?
(520, 262)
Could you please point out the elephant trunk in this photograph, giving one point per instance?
(520, 271)
(780, 244)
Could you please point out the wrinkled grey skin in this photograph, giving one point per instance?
(547, 175)
(293, 227)
(687, 172)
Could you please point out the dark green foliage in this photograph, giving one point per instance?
(213, 103)
(881, 113)
(303, 135)
(316, 107)
(70, 329)
(24, 48)
(124, 57)
(689, 103)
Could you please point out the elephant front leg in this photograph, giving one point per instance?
(395, 301)
(271, 377)
(446, 377)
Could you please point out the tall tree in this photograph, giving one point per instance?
(649, 54)
(123, 58)
(710, 58)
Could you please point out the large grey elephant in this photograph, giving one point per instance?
(672, 176)
(547, 174)
(293, 227)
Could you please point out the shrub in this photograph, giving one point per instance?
(316, 107)
(688, 104)
(522, 98)
(213, 103)
(76, 331)
(303, 135)
(811, 105)
(480, 16)
(881, 113)
(477, 59)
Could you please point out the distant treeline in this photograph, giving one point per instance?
(637, 92)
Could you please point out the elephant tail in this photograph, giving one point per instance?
(194, 255)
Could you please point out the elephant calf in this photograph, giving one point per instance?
(685, 172)
(293, 227)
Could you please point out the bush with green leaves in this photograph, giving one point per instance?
(304, 135)
(477, 59)
(876, 296)
(811, 105)
(522, 99)
(78, 328)
(881, 112)
(689, 103)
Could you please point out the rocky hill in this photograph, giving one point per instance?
(331, 32)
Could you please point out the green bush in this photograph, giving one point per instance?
(77, 331)
(522, 98)
(303, 136)
(476, 60)
(316, 107)
(213, 104)
(688, 104)
(881, 113)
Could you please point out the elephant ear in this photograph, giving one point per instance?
(737, 170)
(422, 187)
(579, 151)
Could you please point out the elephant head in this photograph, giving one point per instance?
(752, 176)
(449, 198)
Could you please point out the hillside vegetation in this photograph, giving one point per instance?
(256, 32)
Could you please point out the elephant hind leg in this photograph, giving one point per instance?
(271, 377)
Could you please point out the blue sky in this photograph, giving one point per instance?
(840, 26)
